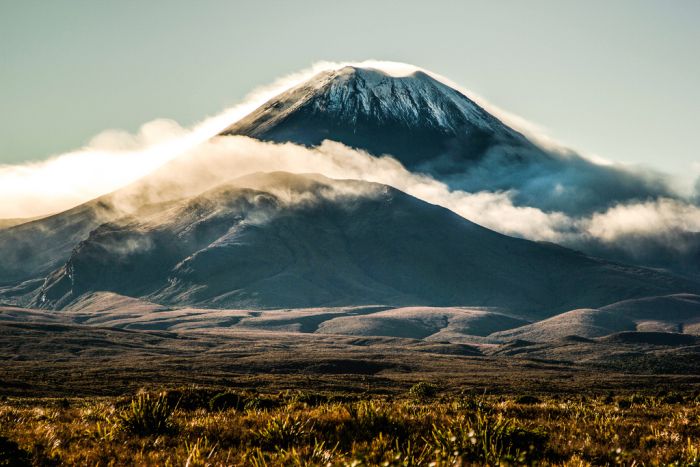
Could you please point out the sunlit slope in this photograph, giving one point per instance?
(283, 240)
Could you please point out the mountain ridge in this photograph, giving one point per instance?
(339, 243)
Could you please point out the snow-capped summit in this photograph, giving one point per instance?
(353, 94)
(416, 118)
(435, 129)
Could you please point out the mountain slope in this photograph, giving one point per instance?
(432, 128)
(31, 250)
(415, 118)
(435, 324)
(283, 240)
(665, 314)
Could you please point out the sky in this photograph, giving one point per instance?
(617, 80)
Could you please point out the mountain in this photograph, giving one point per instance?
(274, 240)
(188, 236)
(33, 249)
(432, 128)
(415, 118)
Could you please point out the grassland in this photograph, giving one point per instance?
(425, 425)
(79, 395)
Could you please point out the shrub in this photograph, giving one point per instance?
(648, 442)
(199, 452)
(11, 454)
(310, 398)
(471, 403)
(624, 403)
(227, 400)
(423, 390)
(190, 398)
(147, 415)
(488, 439)
(528, 399)
(529, 440)
(637, 399)
(368, 419)
(280, 432)
(261, 403)
(673, 398)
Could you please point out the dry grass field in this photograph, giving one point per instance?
(421, 426)
(77, 395)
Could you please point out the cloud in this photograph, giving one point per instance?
(567, 199)
(558, 182)
(662, 220)
(225, 158)
(546, 175)
(658, 217)
(109, 161)
(663, 233)
(115, 158)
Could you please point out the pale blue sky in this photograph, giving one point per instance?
(620, 79)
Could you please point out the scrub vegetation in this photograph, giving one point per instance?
(423, 426)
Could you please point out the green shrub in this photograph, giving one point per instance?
(609, 398)
(199, 452)
(648, 442)
(147, 415)
(423, 390)
(472, 403)
(522, 439)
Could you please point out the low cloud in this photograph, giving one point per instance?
(654, 218)
(115, 158)
(226, 158)
(110, 161)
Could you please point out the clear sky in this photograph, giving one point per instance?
(619, 79)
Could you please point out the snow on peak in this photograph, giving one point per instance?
(352, 92)
(349, 102)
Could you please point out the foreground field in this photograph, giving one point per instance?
(73, 394)
(423, 426)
